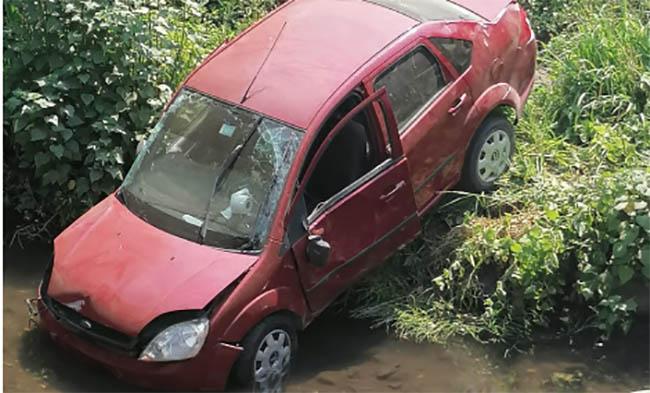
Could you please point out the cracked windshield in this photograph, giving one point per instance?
(211, 173)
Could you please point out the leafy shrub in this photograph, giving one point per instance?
(547, 16)
(565, 239)
(233, 15)
(84, 80)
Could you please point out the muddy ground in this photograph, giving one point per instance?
(337, 354)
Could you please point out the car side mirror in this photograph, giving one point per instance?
(318, 250)
(140, 146)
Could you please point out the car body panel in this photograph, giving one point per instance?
(431, 139)
(110, 261)
(383, 202)
(348, 35)
(387, 223)
(268, 288)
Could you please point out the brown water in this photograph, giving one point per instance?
(337, 355)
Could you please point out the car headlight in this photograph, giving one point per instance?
(177, 342)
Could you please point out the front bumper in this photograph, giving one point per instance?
(209, 370)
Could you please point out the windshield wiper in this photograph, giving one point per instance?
(119, 194)
(227, 166)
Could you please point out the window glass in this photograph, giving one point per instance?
(458, 52)
(429, 10)
(349, 156)
(211, 173)
(411, 83)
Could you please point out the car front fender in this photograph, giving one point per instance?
(282, 299)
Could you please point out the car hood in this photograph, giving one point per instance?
(118, 270)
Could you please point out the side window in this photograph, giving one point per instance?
(458, 52)
(349, 156)
(411, 83)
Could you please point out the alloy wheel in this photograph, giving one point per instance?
(272, 360)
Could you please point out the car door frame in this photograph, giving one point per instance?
(395, 157)
(453, 79)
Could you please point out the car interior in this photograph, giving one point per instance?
(350, 155)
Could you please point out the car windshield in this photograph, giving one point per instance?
(211, 173)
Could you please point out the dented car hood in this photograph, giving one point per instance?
(116, 269)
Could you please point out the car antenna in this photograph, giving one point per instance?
(246, 96)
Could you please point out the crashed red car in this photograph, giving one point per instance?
(292, 161)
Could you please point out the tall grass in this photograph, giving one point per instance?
(601, 69)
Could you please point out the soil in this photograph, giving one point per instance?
(339, 355)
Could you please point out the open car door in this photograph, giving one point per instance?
(359, 227)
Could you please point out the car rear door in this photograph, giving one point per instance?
(364, 223)
(431, 102)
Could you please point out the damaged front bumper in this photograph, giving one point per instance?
(209, 370)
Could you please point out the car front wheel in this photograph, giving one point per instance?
(489, 155)
(267, 357)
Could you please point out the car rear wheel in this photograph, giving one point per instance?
(489, 155)
(268, 353)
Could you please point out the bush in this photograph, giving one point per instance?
(566, 238)
(548, 17)
(84, 80)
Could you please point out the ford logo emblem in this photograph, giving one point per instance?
(86, 324)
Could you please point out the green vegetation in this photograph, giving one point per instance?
(566, 238)
(84, 80)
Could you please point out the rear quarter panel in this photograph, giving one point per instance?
(503, 64)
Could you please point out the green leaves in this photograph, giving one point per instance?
(41, 159)
(625, 273)
(57, 150)
(84, 77)
(37, 134)
(644, 222)
(87, 98)
(644, 256)
(96, 175)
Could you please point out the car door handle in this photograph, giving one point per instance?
(458, 105)
(393, 191)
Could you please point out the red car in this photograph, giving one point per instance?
(295, 159)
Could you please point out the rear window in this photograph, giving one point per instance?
(458, 52)
(428, 10)
(411, 83)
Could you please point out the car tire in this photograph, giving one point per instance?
(489, 154)
(270, 346)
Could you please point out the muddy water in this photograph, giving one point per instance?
(339, 355)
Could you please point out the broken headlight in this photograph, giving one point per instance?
(177, 342)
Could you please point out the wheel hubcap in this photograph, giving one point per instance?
(494, 156)
(272, 361)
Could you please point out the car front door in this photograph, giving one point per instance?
(362, 224)
(431, 102)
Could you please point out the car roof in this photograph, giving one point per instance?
(309, 48)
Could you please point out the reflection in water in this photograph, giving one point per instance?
(337, 355)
